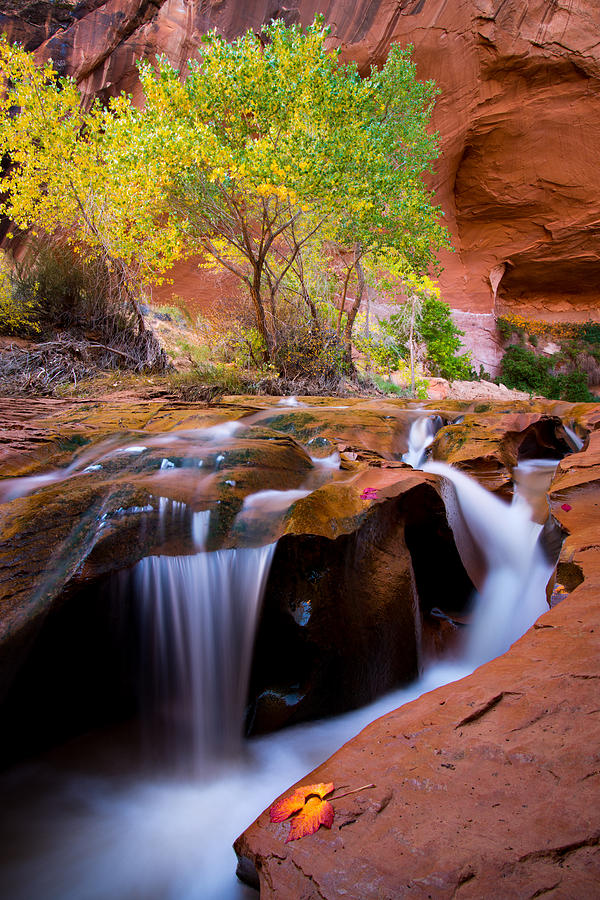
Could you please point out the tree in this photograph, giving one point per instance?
(442, 340)
(267, 148)
(71, 172)
(422, 325)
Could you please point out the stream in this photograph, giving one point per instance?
(85, 822)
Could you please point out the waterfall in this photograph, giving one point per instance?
(573, 437)
(503, 538)
(199, 616)
(499, 547)
(421, 435)
(80, 833)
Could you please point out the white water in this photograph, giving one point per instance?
(131, 837)
(95, 457)
(199, 618)
(327, 462)
(513, 594)
(421, 435)
(499, 547)
(574, 438)
(273, 501)
(101, 836)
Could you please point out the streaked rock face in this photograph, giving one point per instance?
(518, 120)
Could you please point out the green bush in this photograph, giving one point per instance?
(590, 332)
(442, 339)
(523, 370)
(572, 387)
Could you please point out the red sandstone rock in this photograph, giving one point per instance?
(486, 788)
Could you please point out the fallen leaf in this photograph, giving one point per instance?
(316, 812)
(311, 808)
(369, 494)
(285, 808)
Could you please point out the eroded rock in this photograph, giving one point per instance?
(88, 503)
(486, 785)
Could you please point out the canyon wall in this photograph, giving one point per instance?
(518, 118)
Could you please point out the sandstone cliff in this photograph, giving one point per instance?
(518, 121)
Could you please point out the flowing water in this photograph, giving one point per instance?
(420, 437)
(199, 615)
(89, 824)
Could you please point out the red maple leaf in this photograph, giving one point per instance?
(369, 493)
(311, 808)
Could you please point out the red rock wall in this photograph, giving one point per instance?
(518, 118)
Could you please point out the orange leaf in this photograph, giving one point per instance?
(316, 812)
(295, 802)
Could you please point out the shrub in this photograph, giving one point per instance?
(590, 332)
(442, 339)
(519, 325)
(522, 370)
(573, 387)
(18, 314)
(77, 306)
(308, 351)
(439, 336)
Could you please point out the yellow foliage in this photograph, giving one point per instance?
(17, 315)
(540, 328)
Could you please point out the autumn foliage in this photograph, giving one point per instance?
(310, 807)
(270, 150)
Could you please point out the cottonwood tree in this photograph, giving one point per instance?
(264, 149)
(70, 171)
(273, 144)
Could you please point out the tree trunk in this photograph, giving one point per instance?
(124, 277)
(360, 289)
(338, 329)
(260, 315)
(411, 342)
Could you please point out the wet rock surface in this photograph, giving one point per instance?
(91, 488)
(488, 446)
(343, 621)
(487, 787)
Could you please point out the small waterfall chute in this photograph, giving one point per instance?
(420, 437)
(502, 537)
(199, 617)
(574, 440)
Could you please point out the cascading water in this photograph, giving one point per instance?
(499, 546)
(91, 836)
(512, 593)
(199, 616)
(574, 439)
(421, 435)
